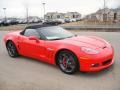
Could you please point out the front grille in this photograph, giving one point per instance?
(107, 62)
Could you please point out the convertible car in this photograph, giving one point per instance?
(54, 45)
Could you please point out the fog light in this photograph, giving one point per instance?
(95, 65)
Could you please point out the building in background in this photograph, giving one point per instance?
(54, 16)
(68, 15)
(108, 15)
(114, 15)
(73, 15)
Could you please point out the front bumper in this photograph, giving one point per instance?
(96, 64)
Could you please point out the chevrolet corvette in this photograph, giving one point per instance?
(57, 46)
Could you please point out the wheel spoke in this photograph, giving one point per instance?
(66, 62)
(11, 49)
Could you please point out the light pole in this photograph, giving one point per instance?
(27, 14)
(104, 6)
(4, 9)
(44, 10)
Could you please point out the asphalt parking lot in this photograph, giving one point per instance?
(28, 74)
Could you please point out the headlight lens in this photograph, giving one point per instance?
(89, 50)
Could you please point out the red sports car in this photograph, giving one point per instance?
(54, 45)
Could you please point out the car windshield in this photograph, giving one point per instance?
(55, 33)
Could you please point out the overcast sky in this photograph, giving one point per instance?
(16, 8)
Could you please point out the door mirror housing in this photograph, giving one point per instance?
(33, 38)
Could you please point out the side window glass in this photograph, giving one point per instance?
(31, 32)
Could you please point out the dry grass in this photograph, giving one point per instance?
(12, 27)
(86, 23)
(79, 23)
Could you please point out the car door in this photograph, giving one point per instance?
(32, 47)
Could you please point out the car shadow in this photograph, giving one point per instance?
(36, 61)
(96, 74)
(78, 74)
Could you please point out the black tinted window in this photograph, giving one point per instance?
(31, 32)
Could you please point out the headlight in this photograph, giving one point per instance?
(89, 50)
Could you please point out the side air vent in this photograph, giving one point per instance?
(104, 47)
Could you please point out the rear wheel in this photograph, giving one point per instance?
(11, 48)
(67, 62)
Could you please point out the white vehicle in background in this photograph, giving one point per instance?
(73, 20)
(30, 21)
(67, 20)
(25, 21)
(60, 20)
(20, 21)
(78, 19)
(35, 20)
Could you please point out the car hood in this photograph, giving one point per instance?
(89, 41)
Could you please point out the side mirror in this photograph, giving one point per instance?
(33, 38)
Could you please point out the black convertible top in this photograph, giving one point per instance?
(39, 26)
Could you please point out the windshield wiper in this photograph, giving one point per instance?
(57, 39)
(61, 38)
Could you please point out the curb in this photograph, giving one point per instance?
(107, 29)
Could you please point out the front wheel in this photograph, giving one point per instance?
(67, 62)
(12, 50)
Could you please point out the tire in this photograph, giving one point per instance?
(12, 50)
(67, 62)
